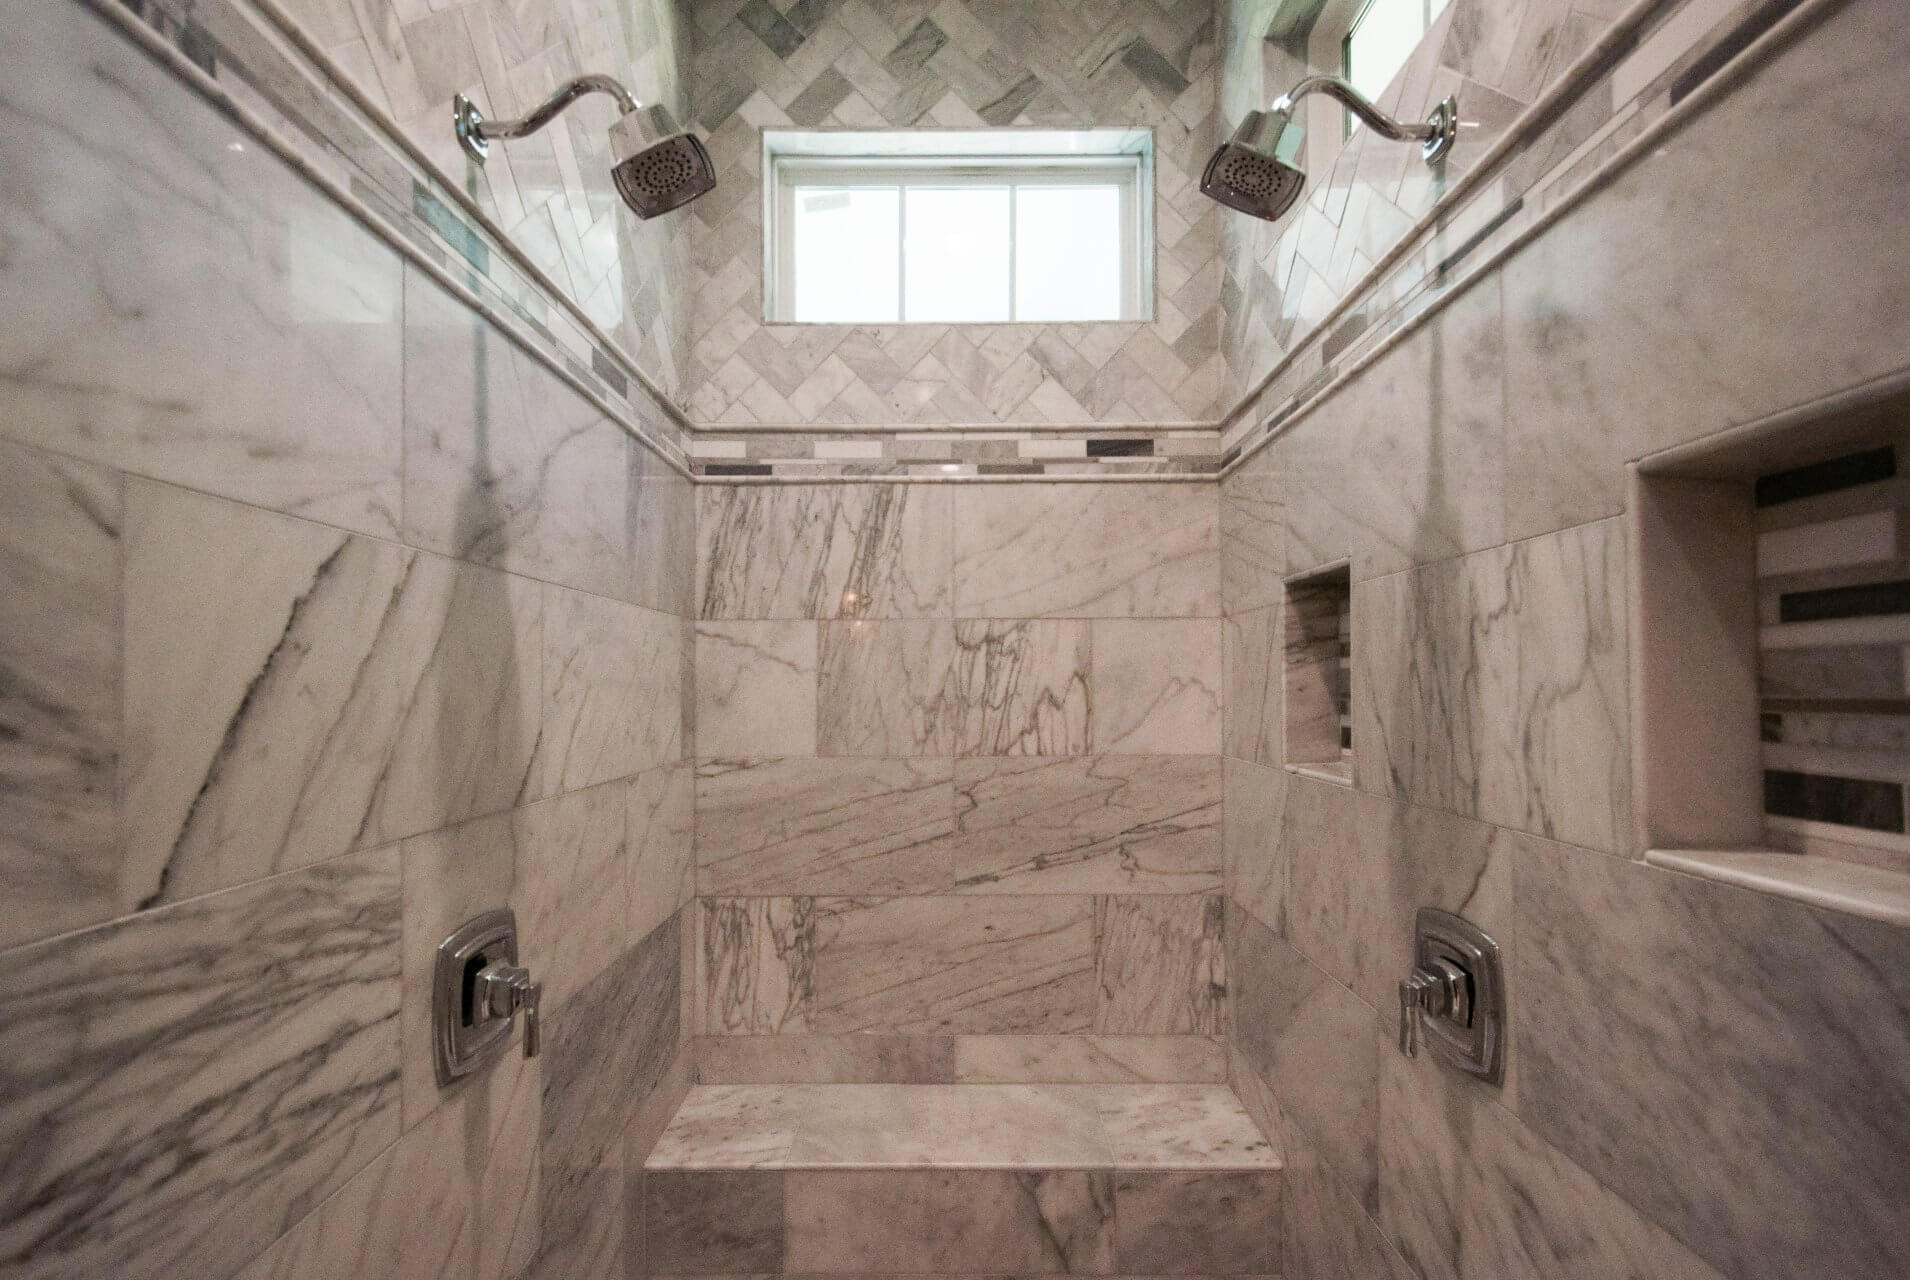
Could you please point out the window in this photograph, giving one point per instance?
(1381, 39)
(958, 227)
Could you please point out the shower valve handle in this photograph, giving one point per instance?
(1437, 990)
(503, 989)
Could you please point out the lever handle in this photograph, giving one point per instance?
(1412, 995)
(503, 989)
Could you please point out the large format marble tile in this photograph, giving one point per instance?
(1467, 1190)
(455, 1196)
(1495, 686)
(1404, 465)
(885, 689)
(1254, 851)
(1637, 322)
(1157, 686)
(1316, 1040)
(613, 691)
(1253, 709)
(1732, 1064)
(293, 693)
(1023, 688)
(180, 303)
(825, 826)
(570, 889)
(1160, 965)
(998, 965)
(660, 837)
(1253, 534)
(662, 524)
(1328, 1235)
(59, 694)
(974, 1221)
(181, 1087)
(713, 1221)
(1087, 551)
(1087, 824)
(970, 1127)
(1089, 1059)
(726, 1126)
(756, 688)
(824, 551)
(850, 1059)
(756, 968)
(1210, 1223)
(1175, 1127)
(605, 1050)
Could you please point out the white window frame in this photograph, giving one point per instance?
(789, 174)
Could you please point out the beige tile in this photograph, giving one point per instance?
(1197, 1222)
(1157, 687)
(886, 689)
(1160, 965)
(1023, 688)
(755, 688)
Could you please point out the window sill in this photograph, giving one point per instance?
(1871, 892)
(1340, 774)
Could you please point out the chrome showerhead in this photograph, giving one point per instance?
(659, 166)
(1257, 171)
(1254, 171)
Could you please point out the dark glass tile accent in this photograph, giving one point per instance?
(1735, 41)
(607, 370)
(577, 371)
(1868, 600)
(1345, 336)
(1849, 802)
(1154, 70)
(1828, 476)
(1009, 469)
(1346, 737)
(1478, 237)
(460, 237)
(1120, 448)
(1227, 459)
(1838, 706)
(774, 30)
(737, 469)
(1770, 728)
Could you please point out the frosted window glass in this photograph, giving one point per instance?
(1068, 253)
(846, 254)
(957, 247)
(1384, 39)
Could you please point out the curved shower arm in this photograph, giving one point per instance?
(1359, 105)
(555, 105)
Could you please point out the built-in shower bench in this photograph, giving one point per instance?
(980, 1179)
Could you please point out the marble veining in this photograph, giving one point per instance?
(824, 826)
(60, 525)
(824, 551)
(255, 1031)
(1023, 688)
(296, 693)
(1087, 824)
(1157, 686)
(887, 689)
(1253, 535)
(757, 970)
(1160, 964)
(1254, 709)
(1083, 551)
(183, 305)
(1740, 1101)
(971, 1126)
(756, 689)
(613, 676)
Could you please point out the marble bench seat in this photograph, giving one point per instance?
(1103, 1179)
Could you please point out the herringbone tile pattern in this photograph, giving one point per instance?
(760, 64)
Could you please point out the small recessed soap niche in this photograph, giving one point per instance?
(1319, 674)
(1771, 640)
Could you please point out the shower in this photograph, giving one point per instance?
(1257, 171)
(659, 166)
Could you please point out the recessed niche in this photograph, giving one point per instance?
(1771, 636)
(1319, 667)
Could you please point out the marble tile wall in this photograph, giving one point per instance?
(333, 619)
(958, 782)
(962, 63)
(1702, 1081)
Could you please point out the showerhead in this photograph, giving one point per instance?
(1257, 170)
(1254, 171)
(659, 166)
